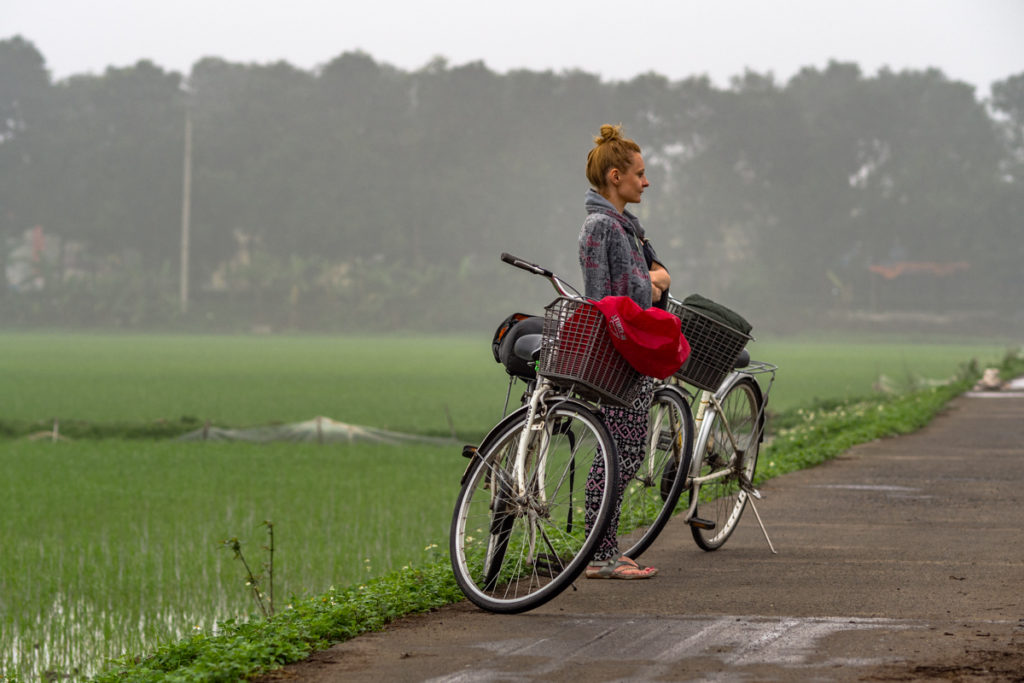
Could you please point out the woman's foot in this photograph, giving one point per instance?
(620, 567)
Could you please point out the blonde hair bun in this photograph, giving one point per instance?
(609, 133)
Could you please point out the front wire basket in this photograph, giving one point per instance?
(577, 353)
(714, 346)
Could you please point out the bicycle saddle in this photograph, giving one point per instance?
(743, 360)
(527, 347)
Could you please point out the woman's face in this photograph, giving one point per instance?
(633, 180)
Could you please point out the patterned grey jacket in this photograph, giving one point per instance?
(611, 253)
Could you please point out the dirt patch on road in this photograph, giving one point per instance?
(986, 656)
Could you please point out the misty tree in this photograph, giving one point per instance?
(358, 194)
(1008, 202)
(24, 89)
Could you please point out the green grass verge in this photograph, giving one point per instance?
(240, 650)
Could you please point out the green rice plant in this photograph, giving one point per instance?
(402, 384)
(112, 547)
(155, 385)
(811, 371)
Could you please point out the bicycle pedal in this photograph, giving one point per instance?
(705, 524)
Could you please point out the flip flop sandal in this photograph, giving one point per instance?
(622, 568)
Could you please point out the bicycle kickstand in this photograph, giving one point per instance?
(753, 493)
(763, 530)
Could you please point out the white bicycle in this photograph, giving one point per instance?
(526, 522)
(721, 441)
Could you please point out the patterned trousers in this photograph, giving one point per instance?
(628, 428)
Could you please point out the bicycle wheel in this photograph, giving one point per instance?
(650, 497)
(513, 550)
(722, 500)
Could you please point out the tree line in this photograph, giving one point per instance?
(361, 196)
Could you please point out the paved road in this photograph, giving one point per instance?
(903, 559)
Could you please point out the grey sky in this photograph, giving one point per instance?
(978, 41)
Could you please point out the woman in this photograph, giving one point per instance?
(612, 256)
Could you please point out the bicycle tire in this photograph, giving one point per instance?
(722, 501)
(511, 553)
(649, 499)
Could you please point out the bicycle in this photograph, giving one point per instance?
(521, 478)
(726, 434)
(521, 530)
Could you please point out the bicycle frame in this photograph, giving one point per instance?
(535, 405)
(706, 401)
(709, 407)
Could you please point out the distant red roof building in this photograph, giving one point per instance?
(892, 271)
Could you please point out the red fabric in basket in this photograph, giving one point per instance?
(650, 339)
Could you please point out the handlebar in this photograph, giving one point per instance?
(560, 285)
(525, 265)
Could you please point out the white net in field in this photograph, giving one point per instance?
(317, 430)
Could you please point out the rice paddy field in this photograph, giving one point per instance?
(113, 545)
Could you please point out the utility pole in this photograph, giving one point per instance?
(186, 206)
